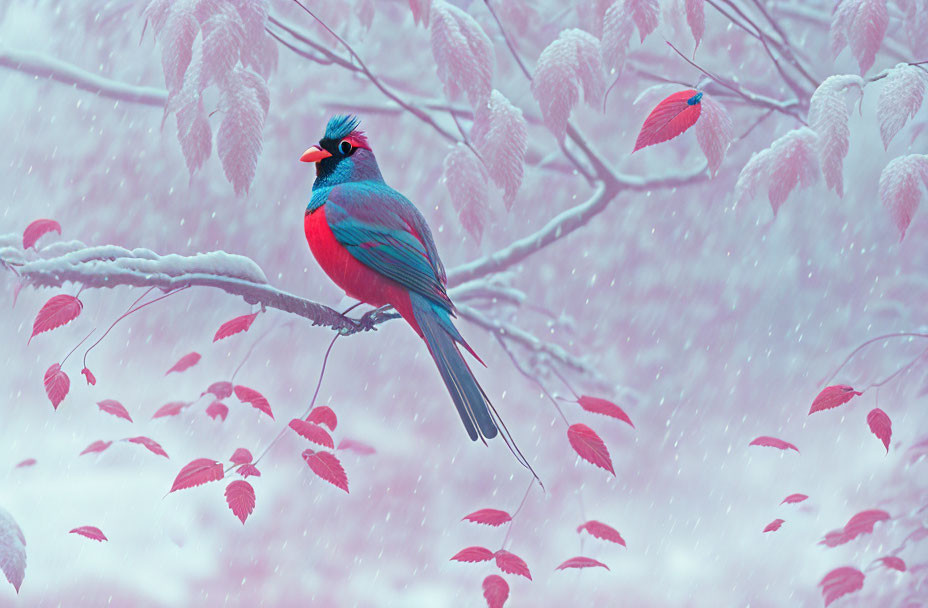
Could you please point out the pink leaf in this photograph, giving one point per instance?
(789, 161)
(463, 52)
(510, 563)
(184, 363)
(467, 179)
(12, 550)
(223, 37)
(180, 30)
(57, 385)
(500, 136)
(833, 396)
(96, 447)
(893, 562)
(115, 408)
(618, 27)
(253, 397)
(217, 409)
(714, 132)
(420, 11)
(220, 390)
(323, 415)
(842, 16)
(589, 446)
(696, 19)
(495, 591)
(671, 117)
(170, 409)
(794, 498)
(602, 531)
(26, 463)
(881, 426)
(37, 229)
(866, 31)
(91, 379)
(353, 445)
(194, 132)
(861, 523)
(327, 466)
(91, 532)
(236, 325)
(240, 136)
(606, 408)
(58, 311)
(197, 473)
(774, 525)
(900, 191)
(241, 456)
(773, 442)
(828, 117)
(581, 562)
(900, 98)
(312, 432)
(645, 14)
(150, 444)
(472, 555)
(571, 61)
(489, 517)
(249, 470)
(841, 581)
(240, 497)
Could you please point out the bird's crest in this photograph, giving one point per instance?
(343, 126)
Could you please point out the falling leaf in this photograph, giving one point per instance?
(96, 447)
(12, 550)
(91, 532)
(861, 523)
(606, 408)
(473, 554)
(197, 473)
(510, 563)
(833, 396)
(57, 384)
(489, 517)
(170, 409)
(893, 562)
(581, 562)
(217, 409)
(185, 362)
(495, 591)
(253, 397)
(249, 470)
(236, 325)
(150, 444)
(240, 497)
(602, 531)
(327, 466)
(358, 447)
(37, 229)
(220, 390)
(58, 311)
(773, 442)
(323, 415)
(589, 446)
(841, 581)
(794, 498)
(312, 432)
(115, 408)
(241, 456)
(91, 379)
(881, 426)
(774, 525)
(26, 463)
(671, 117)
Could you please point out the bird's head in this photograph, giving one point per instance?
(343, 154)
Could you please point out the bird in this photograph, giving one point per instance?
(375, 245)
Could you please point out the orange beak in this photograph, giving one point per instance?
(314, 155)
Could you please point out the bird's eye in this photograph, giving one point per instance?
(345, 148)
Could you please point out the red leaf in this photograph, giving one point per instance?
(323, 415)
(185, 362)
(236, 325)
(841, 581)
(793, 498)
(472, 555)
(153, 446)
(601, 530)
(57, 384)
(37, 229)
(170, 409)
(26, 463)
(313, 432)
(489, 517)
(495, 591)
(607, 408)
(890, 561)
(91, 532)
(670, 118)
(774, 525)
(773, 442)
(327, 466)
(581, 562)
(249, 470)
(359, 447)
(861, 523)
(91, 379)
(240, 497)
(220, 390)
(58, 311)
(241, 456)
(589, 446)
(115, 408)
(510, 563)
(196, 473)
(97, 446)
(217, 409)
(833, 396)
(881, 426)
(256, 399)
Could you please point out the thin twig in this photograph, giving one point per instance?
(866, 344)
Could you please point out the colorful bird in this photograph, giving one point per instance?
(376, 246)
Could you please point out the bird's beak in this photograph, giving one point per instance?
(314, 155)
